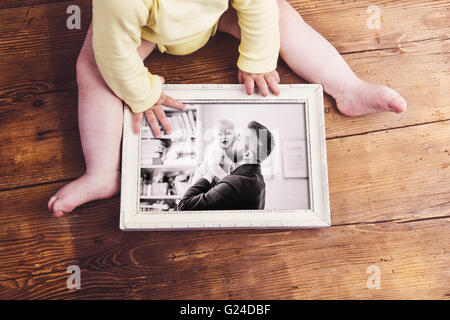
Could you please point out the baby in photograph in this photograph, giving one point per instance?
(110, 71)
(215, 156)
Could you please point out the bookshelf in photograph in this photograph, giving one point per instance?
(169, 162)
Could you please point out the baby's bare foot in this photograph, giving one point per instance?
(365, 98)
(88, 187)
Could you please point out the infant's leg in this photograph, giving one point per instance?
(100, 119)
(313, 58)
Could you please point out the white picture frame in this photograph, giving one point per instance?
(308, 96)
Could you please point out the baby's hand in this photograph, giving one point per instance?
(203, 172)
(156, 113)
(264, 81)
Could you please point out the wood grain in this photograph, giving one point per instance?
(373, 177)
(8, 4)
(328, 263)
(344, 23)
(418, 71)
(394, 55)
(389, 174)
(392, 174)
(39, 141)
(56, 111)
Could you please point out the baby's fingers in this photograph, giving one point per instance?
(276, 75)
(273, 84)
(170, 102)
(240, 77)
(161, 116)
(249, 84)
(153, 122)
(137, 119)
(262, 85)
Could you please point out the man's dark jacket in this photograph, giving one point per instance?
(244, 188)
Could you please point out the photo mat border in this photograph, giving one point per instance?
(311, 95)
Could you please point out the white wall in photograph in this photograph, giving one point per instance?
(287, 123)
(294, 154)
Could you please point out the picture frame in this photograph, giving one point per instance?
(156, 172)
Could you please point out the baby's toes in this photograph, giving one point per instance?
(397, 103)
(60, 207)
(50, 202)
(57, 211)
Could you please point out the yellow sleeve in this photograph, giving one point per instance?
(116, 36)
(260, 35)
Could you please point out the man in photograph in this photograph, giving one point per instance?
(244, 187)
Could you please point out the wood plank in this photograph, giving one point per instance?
(373, 177)
(418, 71)
(407, 29)
(46, 61)
(389, 189)
(392, 174)
(49, 110)
(8, 4)
(37, 249)
(39, 141)
(419, 76)
(37, 51)
(344, 23)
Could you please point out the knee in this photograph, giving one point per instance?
(82, 65)
(85, 68)
(84, 61)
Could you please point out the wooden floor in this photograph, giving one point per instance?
(389, 174)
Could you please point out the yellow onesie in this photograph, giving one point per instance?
(177, 27)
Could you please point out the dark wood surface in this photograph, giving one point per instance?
(389, 174)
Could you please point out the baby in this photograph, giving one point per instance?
(216, 160)
(110, 70)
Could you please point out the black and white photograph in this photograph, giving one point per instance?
(226, 157)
